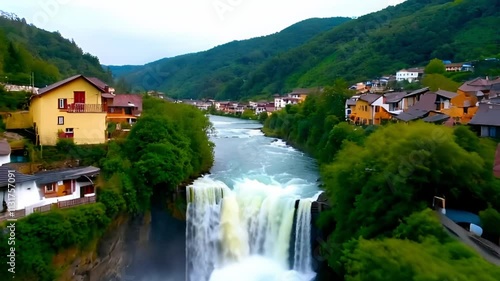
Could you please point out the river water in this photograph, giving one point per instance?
(243, 222)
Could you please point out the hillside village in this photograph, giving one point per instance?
(80, 110)
(86, 111)
(476, 102)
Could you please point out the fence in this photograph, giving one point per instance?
(45, 208)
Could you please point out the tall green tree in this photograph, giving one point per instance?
(435, 66)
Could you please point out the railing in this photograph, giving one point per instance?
(42, 209)
(15, 215)
(85, 108)
(45, 208)
(75, 202)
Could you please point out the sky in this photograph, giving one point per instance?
(135, 32)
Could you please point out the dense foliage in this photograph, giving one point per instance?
(26, 49)
(12, 101)
(167, 146)
(221, 71)
(380, 182)
(381, 43)
(39, 237)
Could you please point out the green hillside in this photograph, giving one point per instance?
(408, 34)
(221, 71)
(26, 49)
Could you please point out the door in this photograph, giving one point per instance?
(79, 97)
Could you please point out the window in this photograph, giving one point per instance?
(466, 110)
(62, 103)
(377, 108)
(69, 133)
(49, 188)
(60, 120)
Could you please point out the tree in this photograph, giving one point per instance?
(490, 219)
(439, 81)
(394, 259)
(263, 117)
(374, 185)
(435, 66)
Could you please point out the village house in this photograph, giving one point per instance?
(76, 108)
(350, 106)
(410, 74)
(413, 97)
(295, 97)
(370, 109)
(480, 87)
(421, 109)
(396, 102)
(124, 108)
(73, 108)
(453, 67)
(487, 120)
(37, 192)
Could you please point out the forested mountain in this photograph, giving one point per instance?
(220, 71)
(26, 49)
(405, 35)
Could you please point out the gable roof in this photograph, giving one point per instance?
(394, 97)
(129, 100)
(417, 92)
(488, 114)
(436, 118)
(370, 98)
(65, 174)
(93, 81)
(351, 101)
(412, 114)
(479, 84)
(446, 94)
(20, 178)
(426, 104)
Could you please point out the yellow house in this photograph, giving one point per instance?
(370, 109)
(74, 108)
(462, 106)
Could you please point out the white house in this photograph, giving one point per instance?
(4, 152)
(410, 74)
(17, 190)
(396, 102)
(46, 187)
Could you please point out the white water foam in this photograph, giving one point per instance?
(245, 233)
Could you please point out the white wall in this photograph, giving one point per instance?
(4, 159)
(26, 194)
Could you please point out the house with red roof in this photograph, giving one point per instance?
(124, 108)
(73, 108)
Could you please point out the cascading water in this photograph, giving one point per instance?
(302, 260)
(247, 225)
(240, 219)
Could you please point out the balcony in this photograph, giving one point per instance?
(85, 108)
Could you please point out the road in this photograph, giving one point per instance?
(488, 250)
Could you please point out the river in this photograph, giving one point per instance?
(241, 219)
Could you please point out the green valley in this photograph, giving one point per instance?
(381, 43)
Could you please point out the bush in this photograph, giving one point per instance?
(41, 235)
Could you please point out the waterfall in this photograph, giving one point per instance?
(302, 259)
(202, 228)
(245, 233)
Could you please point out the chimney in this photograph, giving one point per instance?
(106, 89)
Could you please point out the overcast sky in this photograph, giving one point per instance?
(140, 31)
